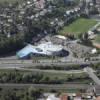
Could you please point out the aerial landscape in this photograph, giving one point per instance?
(49, 49)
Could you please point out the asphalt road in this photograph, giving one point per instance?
(28, 63)
(46, 86)
(91, 74)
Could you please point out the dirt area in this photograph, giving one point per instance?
(96, 45)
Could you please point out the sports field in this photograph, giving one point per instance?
(79, 26)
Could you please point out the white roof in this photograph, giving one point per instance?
(28, 2)
(76, 9)
(77, 98)
(68, 12)
(52, 23)
(74, 94)
(50, 47)
(52, 97)
(46, 48)
(60, 37)
(94, 51)
(90, 32)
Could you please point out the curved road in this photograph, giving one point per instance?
(92, 75)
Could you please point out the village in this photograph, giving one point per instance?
(50, 50)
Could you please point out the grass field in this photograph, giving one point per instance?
(79, 26)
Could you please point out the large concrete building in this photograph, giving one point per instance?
(45, 49)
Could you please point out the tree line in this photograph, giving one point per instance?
(30, 93)
(39, 78)
(8, 45)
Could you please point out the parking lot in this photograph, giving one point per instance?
(76, 50)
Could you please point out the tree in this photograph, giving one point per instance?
(85, 39)
(34, 93)
(9, 95)
(26, 78)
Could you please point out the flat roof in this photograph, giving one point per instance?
(48, 46)
(60, 37)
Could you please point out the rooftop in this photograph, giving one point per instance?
(46, 48)
(60, 37)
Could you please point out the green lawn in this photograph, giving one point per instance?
(79, 26)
